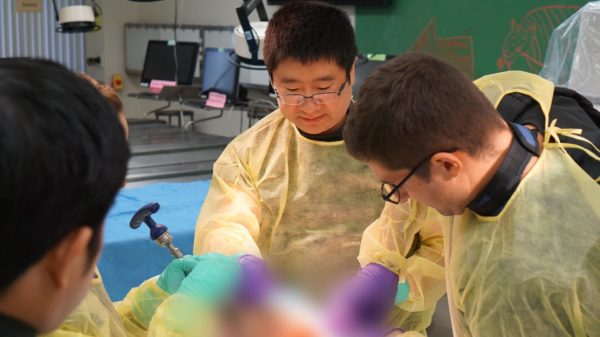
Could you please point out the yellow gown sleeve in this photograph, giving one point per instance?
(181, 316)
(97, 316)
(390, 241)
(229, 220)
(138, 307)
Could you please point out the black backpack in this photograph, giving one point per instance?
(570, 109)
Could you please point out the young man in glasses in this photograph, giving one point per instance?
(286, 190)
(523, 247)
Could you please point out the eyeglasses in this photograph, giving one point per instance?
(389, 192)
(320, 98)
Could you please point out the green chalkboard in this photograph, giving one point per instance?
(478, 36)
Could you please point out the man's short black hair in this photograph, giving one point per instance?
(309, 31)
(63, 157)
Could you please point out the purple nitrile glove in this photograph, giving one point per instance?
(377, 332)
(363, 303)
(257, 281)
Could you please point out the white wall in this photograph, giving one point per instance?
(109, 44)
(204, 12)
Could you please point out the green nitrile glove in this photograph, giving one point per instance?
(170, 279)
(214, 279)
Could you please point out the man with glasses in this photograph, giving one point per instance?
(287, 191)
(390, 192)
(522, 247)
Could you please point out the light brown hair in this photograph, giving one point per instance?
(111, 96)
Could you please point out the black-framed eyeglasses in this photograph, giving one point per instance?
(389, 192)
(318, 98)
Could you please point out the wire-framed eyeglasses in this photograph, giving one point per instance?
(318, 98)
(389, 192)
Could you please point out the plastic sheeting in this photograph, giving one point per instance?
(573, 55)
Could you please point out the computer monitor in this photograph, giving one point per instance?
(340, 2)
(159, 63)
(362, 71)
(218, 74)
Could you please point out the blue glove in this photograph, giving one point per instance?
(170, 279)
(363, 303)
(214, 279)
(257, 282)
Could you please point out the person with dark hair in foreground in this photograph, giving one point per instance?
(287, 191)
(63, 157)
(522, 239)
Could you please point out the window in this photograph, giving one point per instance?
(33, 35)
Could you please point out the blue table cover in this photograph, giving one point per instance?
(129, 256)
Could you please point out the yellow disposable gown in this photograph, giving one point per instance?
(389, 240)
(96, 316)
(303, 206)
(534, 269)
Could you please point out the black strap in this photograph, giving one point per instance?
(503, 184)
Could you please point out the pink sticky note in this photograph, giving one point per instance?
(157, 85)
(216, 100)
